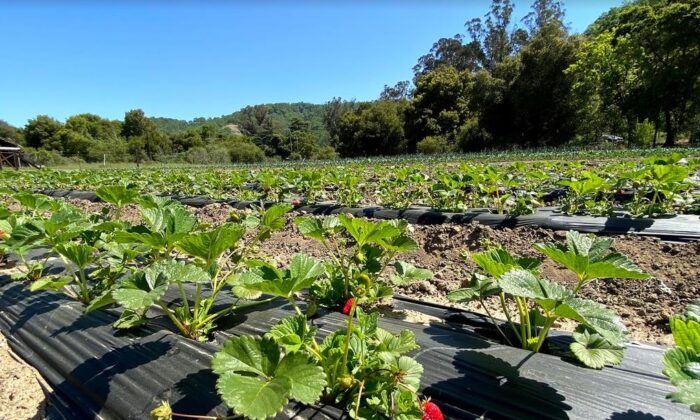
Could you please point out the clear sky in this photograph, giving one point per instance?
(209, 58)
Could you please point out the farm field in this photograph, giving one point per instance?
(153, 264)
(351, 210)
(605, 184)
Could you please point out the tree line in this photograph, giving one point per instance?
(632, 77)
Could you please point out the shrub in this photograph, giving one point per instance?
(207, 155)
(432, 145)
(643, 132)
(246, 153)
(326, 153)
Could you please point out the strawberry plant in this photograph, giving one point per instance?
(360, 252)
(25, 232)
(585, 193)
(539, 302)
(682, 363)
(219, 256)
(119, 196)
(165, 222)
(362, 369)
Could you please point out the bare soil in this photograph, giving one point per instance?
(21, 395)
(644, 306)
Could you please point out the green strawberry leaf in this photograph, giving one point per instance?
(686, 333)
(210, 245)
(302, 273)
(238, 283)
(246, 354)
(593, 350)
(586, 256)
(252, 397)
(401, 243)
(602, 320)
(498, 261)
(175, 271)
(118, 195)
(687, 392)
(523, 283)
(678, 364)
(615, 266)
(292, 333)
(692, 311)
(318, 229)
(130, 319)
(50, 283)
(140, 291)
(78, 254)
(407, 371)
(273, 218)
(397, 345)
(407, 274)
(273, 381)
(478, 286)
(307, 378)
(104, 299)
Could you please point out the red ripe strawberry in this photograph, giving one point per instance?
(348, 306)
(296, 202)
(431, 411)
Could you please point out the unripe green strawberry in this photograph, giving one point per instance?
(360, 257)
(346, 381)
(234, 216)
(364, 280)
(311, 309)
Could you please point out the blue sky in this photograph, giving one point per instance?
(190, 59)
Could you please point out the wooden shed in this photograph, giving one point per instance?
(11, 155)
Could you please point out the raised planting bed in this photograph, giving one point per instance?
(677, 228)
(125, 375)
(269, 329)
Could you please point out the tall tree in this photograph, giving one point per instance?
(544, 14)
(400, 91)
(440, 105)
(136, 124)
(645, 66)
(374, 128)
(40, 130)
(299, 143)
(332, 116)
(492, 37)
(665, 49)
(255, 119)
(94, 127)
(450, 52)
(541, 94)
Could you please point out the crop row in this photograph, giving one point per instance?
(653, 186)
(361, 368)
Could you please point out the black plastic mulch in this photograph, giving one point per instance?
(679, 228)
(97, 371)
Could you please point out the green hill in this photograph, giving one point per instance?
(281, 114)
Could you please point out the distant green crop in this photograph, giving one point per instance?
(657, 185)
